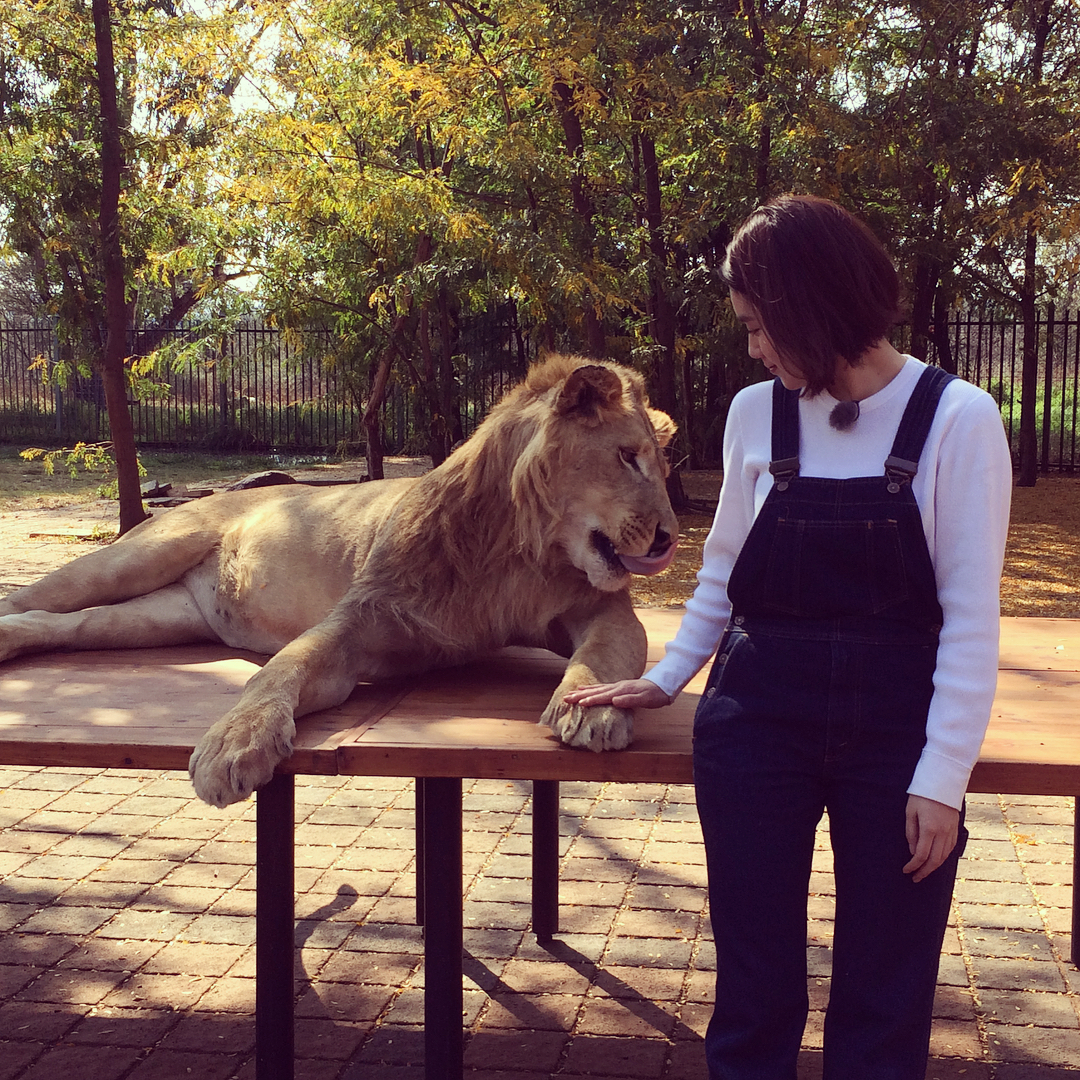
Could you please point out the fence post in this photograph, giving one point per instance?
(1048, 388)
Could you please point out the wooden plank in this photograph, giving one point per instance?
(1040, 643)
(143, 708)
(147, 709)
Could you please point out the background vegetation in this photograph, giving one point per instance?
(389, 170)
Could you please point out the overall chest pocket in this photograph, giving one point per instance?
(826, 570)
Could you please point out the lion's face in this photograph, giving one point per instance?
(600, 472)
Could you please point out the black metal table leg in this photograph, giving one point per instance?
(1076, 884)
(274, 929)
(418, 828)
(443, 997)
(545, 859)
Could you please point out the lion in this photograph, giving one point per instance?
(526, 535)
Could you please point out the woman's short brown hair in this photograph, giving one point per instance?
(819, 281)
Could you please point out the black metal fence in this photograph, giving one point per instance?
(989, 352)
(262, 389)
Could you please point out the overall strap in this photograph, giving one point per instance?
(785, 435)
(903, 462)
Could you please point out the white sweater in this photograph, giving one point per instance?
(962, 489)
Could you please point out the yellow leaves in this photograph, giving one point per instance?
(1028, 178)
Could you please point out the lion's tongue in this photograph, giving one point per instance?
(648, 564)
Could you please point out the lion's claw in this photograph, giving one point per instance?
(239, 754)
(596, 728)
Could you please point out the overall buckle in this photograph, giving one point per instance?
(900, 471)
(784, 471)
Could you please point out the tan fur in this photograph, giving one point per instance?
(497, 546)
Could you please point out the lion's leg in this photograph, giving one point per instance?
(144, 561)
(240, 752)
(610, 644)
(166, 617)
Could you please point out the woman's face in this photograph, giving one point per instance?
(759, 345)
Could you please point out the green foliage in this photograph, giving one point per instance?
(86, 457)
(384, 170)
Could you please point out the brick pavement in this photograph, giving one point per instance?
(128, 907)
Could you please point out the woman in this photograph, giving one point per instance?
(850, 580)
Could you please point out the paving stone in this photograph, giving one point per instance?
(107, 894)
(984, 941)
(344, 1001)
(958, 1069)
(630, 1017)
(954, 1003)
(649, 952)
(389, 1044)
(619, 1057)
(82, 1063)
(12, 915)
(540, 1012)
(1017, 974)
(955, 1038)
(124, 1027)
(223, 929)
(1022, 1007)
(44, 950)
(201, 1030)
(146, 991)
(541, 977)
(1001, 916)
(193, 958)
(668, 897)
(13, 977)
(164, 1064)
(15, 1056)
(111, 955)
(146, 925)
(1042, 1045)
(37, 1021)
(633, 922)
(71, 986)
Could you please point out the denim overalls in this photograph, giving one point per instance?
(817, 699)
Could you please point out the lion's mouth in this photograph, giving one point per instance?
(607, 552)
(658, 558)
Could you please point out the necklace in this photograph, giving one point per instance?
(844, 415)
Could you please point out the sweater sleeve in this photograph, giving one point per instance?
(708, 609)
(971, 494)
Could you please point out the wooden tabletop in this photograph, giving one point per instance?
(147, 709)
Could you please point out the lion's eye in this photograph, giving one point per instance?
(629, 457)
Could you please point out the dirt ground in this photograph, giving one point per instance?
(45, 522)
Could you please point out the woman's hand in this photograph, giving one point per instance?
(628, 694)
(932, 831)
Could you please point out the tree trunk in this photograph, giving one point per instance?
(113, 375)
(942, 342)
(924, 287)
(661, 311)
(380, 378)
(593, 327)
(1029, 379)
(1029, 443)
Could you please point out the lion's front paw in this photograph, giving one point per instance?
(240, 752)
(598, 727)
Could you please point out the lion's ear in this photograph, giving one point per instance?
(663, 425)
(587, 390)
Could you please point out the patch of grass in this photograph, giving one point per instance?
(25, 485)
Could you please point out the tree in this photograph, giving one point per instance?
(114, 281)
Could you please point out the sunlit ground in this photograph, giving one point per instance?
(1042, 560)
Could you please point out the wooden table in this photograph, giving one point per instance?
(147, 709)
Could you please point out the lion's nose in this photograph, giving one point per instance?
(661, 542)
